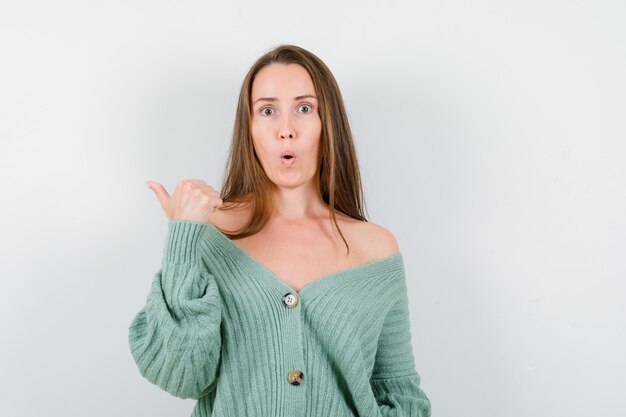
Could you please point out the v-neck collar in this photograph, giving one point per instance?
(376, 265)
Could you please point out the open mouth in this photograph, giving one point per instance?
(288, 158)
(287, 155)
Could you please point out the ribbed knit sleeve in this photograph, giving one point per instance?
(395, 381)
(175, 338)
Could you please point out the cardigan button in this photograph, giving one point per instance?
(290, 300)
(296, 377)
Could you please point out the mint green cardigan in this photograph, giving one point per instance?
(219, 327)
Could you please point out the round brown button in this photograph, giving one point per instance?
(296, 377)
(290, 300)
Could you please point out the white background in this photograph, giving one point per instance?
(491, 137)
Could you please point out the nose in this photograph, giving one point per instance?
(286, 129)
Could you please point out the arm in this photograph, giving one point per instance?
(395, 381)
(175, 338)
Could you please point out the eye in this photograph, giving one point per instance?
(309, 107)
(263, 111)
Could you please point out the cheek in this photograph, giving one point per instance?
(263, 152)
(318, 139)
(260, 135)
(254, 130)
(257, 137)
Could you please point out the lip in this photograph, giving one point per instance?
(288, 162)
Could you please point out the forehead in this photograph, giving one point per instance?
(282, 81)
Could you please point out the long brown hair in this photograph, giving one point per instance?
(245, 180)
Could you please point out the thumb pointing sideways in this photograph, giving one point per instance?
(160, 192)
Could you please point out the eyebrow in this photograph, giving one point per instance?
(274, 98)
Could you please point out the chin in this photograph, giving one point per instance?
(290, 178)
(288, 184)
(295, 181)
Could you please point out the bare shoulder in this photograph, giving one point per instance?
(377, 241)
(231, 217)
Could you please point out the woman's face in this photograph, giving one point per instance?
(285, 117)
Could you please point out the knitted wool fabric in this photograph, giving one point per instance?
(221, 328)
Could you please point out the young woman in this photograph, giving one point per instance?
(276, 296)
